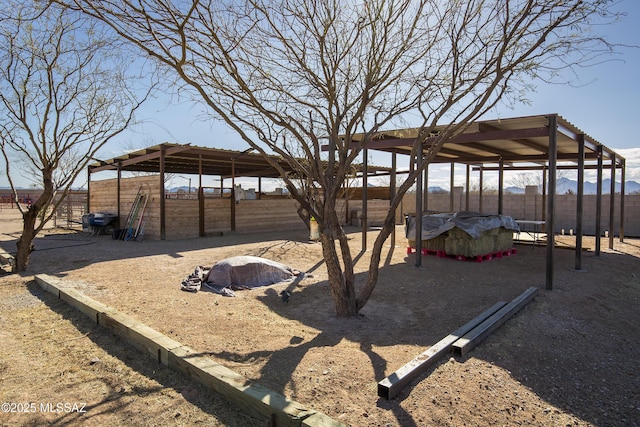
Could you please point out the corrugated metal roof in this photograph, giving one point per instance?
(188, 159)
(513, 140)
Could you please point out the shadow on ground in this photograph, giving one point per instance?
(120, 398)
(576, 347)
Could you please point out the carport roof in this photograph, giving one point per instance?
(511, 140)
(188, 159)
(515, 142)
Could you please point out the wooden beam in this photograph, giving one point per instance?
(579, 203)
(132, 160)
(500, 187)
(612, 200)
(485, 127)
(118, 194)
(419, 194)
(513, 168)
(392, 195)
(466, 190)
(480, 159)
(251, 397)
(163, 216)
(598, 226)
(495, 151)
(201, 231)
(480, 189)
(394, 383)
(544, 198)
(622, 193)
(233, 194)
(425, 189)
(89, 190)
(365, 197)
(493, 322)
(551, 198)
(452, 169)
(462, 138)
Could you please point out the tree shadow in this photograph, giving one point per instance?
(120, 398)
(424, 305)
(80, 249)
(278, 371)
(514, 347)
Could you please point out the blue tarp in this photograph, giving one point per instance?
(473, 223)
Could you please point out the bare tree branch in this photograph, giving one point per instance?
(66, 89)
(291, 75)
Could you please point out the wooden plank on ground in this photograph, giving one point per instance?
(47, 283)
(251, 397)
(6, 258)
(320, 420)
(154, 343)
(394, 383)
(144, 338)
(78, 300)
(484, 329)
(257, 400)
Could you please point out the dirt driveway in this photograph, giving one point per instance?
(570, 357)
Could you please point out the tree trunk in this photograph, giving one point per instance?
(341, 282)
(25, 242)
(374, 264)
(29, 218)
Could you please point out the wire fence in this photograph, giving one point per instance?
(69, 213)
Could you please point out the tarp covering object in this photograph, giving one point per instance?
(473, 223)
(248, 271)
(240, 272)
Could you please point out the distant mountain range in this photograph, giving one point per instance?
(563, 186)
(566, 185)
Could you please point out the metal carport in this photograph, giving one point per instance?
(542, 142)
(201, 161)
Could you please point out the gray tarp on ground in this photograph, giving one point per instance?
(473, 223)
(248, 271)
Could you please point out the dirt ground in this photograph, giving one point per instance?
(570, 357)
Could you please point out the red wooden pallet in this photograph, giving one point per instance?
(478, 258)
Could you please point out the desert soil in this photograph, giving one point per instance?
(569, 358)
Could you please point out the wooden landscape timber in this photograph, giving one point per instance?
(480, 332)
(6, 258)
(251, 397)
(394, 383)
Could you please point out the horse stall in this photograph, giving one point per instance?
(182, 215)
(143, 206)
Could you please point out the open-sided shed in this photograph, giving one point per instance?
(204, 212)
(543, 142)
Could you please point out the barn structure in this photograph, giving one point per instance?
(208, 210)
(546, 143)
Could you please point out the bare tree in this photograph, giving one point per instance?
(63, 95)
(294, 76)
(525, 179)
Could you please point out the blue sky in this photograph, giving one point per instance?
(605, 105)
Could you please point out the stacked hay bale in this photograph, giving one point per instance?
(436, 244)
(467, 234)
(503, 240)
(459, 243)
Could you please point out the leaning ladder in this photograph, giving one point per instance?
(133, 213)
